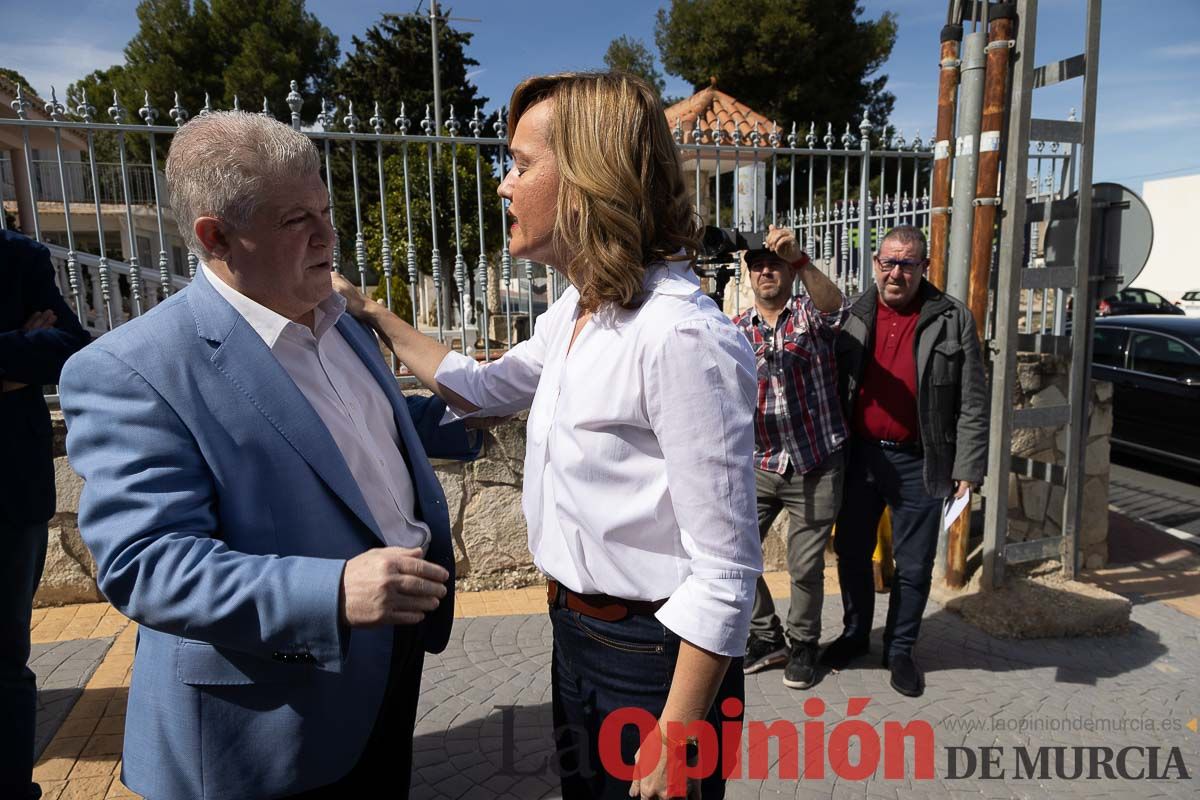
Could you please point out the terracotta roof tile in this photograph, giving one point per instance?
(715, 108)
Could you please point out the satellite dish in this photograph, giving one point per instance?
(1122, 235)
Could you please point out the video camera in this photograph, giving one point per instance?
(720, 245)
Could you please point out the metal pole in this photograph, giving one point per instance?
(987, 189)
(437, 71)
(1008, 287)
(965, 163)
(1081, 340)
(864, 223)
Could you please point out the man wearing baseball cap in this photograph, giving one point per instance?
(798, 436)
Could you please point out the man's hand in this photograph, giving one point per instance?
(960, 488)
(390, 586)
(40, 320)
(357, 303)
(782, 242)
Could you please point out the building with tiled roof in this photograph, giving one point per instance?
(714, 109)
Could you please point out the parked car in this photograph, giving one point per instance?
(1190, 303)
(1136, 301)
(1153, 363)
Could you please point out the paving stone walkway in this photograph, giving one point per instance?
(484, 725)
(62, 669)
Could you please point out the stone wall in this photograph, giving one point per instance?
(483, 498)
(488, 524)
(1035, 507)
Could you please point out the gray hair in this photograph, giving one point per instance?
(906, 235)
(222, 165)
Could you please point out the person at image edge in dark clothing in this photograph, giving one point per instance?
(38, 332)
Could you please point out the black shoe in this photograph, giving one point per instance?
(762, 653)
(907, 678)
(842, 650)
(801, 670)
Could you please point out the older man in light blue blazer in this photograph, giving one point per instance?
(259, 497)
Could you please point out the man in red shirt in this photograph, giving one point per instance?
(912, 384)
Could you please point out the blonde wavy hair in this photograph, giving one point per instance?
(622, 200)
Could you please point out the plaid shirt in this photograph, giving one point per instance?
(799, 421)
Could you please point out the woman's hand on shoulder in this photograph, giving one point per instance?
(358, 305)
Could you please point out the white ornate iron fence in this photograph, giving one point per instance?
(118, 257)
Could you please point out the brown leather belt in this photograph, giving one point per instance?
(598, 606)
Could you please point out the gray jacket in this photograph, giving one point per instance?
(952, 396)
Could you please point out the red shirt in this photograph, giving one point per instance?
(886, 407)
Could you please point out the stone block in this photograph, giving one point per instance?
(1096, 458)
(1029, 377)
(1100, 420)
(1027, 441)
(68, 485)
(503, 458)
(70, 572)
(1018, 530)
(1093, 524)
(1014, 493)
(494, 533)
(1102, 391)
(775, 545)
(1034, 496)
(1054, 506)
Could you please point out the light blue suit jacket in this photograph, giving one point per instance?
(220, 514)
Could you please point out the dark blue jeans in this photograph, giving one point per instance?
(22, 556)
(599, 667)
(876, 477)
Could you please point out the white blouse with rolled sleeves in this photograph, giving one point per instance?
(639, 479)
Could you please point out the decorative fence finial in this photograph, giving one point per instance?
(116, 110)
(847, 138)
(697, 133)
(452, 123)
(208, 109)
(774, 138)
(85, 109)
(237, 106)
(377, 121)
(326, 117)
(864, 131)
(501, 124)
(677, 131)
(295, 102)
(476, 124)
(178, 113)
(428, 124)
(266, 109)
(20, 105)
(147, 112)
(350, 120)
(54, 108)
(811, 137)
(402, 121)
(829, 140)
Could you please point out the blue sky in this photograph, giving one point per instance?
(1148, 112)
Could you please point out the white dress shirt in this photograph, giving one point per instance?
(348, 400)
(639, 479)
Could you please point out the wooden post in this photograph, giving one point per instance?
(947, 111)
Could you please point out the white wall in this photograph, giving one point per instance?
(1175, 207)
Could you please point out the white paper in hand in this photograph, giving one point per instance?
(955, 507)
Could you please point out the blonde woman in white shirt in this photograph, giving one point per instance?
(638, 490)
